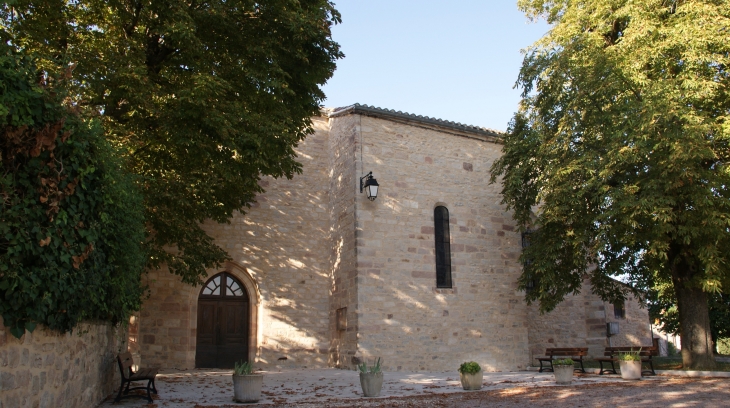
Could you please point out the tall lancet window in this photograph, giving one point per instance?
(443, 247)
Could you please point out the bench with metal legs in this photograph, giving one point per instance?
(129, 376)
(575, 353)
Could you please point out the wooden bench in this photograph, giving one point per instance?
(574, 353)
(612, 353)
(129, 376)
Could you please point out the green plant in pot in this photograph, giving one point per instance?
(371, 378)
(246, 384)
(630, 363)
(471, 375)
(563, 369)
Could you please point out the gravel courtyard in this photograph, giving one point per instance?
(670, 393)
(341, 388)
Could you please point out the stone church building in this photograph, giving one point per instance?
(424, 276)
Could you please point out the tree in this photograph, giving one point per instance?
(663, 309)
(618, 155)
(71, 217)
(204, 97)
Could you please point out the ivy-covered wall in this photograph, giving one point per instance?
(71, 218)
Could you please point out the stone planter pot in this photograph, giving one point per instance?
(371, 384)
(563, 374)
(630, 370)
(247, 388)
(472, 381)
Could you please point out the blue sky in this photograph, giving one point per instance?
(455, 60)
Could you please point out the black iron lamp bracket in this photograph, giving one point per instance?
(363, 178)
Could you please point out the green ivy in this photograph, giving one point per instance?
(71, 219)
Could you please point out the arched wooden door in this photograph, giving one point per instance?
(223, 323)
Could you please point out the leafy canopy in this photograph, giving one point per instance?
(618, 154)
(71, 218)
(203, 97)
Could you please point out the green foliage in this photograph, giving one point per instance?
(374, 369)
(672, 349)
(723, 347)
(71, 219)
(618, 154)
(243, 368)
(663, 308)
(629, 356)
(563, 362)
(204, 98)
(470, 367)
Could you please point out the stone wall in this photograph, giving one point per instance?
(344, 144)
(167, 321)
(565, 326)
(48, 369)
(635, 329)
(280, 252)
(313, 249)
(402, 316)
(283, 243)
(580, 321)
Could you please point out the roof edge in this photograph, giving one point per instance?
(409, 117)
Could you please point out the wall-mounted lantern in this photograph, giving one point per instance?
(370, 185)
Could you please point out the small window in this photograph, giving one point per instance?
(233, 288)
(443, 247)
(619, 312)
(213, 287)
(526, 237)
(226, 285)
(526, 240)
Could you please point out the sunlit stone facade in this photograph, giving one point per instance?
(334, 278)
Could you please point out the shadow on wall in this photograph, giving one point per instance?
(283, 245)
(402, 316)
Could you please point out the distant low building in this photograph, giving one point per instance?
(665, 339)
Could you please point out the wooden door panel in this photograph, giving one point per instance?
(207, 316)
(206, 350)
(236, 323)
(234, 334)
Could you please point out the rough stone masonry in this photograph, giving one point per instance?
(334, 279)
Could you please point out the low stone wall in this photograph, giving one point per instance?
(48, 369)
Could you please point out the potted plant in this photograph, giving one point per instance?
(563, 370)
(246, 384)
(371, 379)
(471, 375)
(630, 363)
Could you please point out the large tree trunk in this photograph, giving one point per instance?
(694, 319)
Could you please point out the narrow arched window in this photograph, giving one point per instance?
(443, 247)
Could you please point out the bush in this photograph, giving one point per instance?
(723, 346)
(672, 349)
(563, 362)
(629, 356)
(71, 218)
(470, 367)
